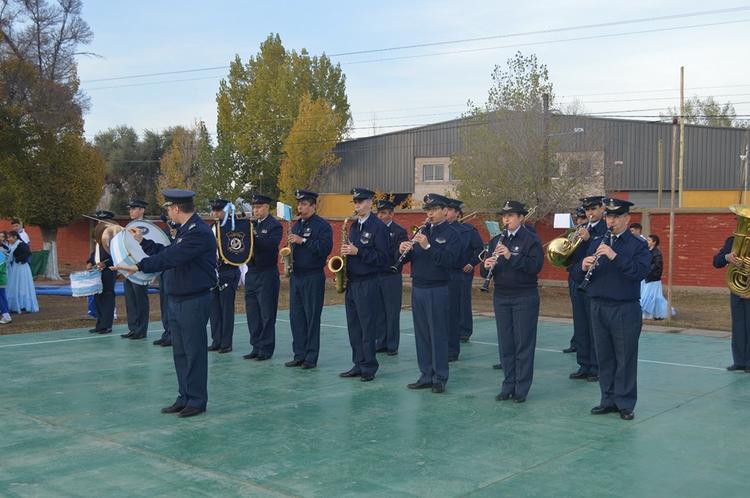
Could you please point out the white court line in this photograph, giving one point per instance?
(687, 365)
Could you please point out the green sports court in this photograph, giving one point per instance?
(80, 417)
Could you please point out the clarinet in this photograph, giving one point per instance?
(486, 285)
(397, 267)
(587, 278)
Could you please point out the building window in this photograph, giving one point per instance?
(433, 173)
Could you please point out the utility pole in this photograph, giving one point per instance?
(660, 167)
(682, 131)
(545, 142)
(671, 219)
(743, 195)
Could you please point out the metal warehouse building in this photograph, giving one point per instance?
(623, 153)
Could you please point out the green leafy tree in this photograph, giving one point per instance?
(50, 174)
(707, 112)
(508, 148)
(184, 162)
(308, 149)
(257, 105)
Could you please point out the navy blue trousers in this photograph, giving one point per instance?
(261, 305)
(188, 318)
(364, 312)
(306, 293)
(431, 311)
(583, 335)
(617, 328)
(466, 327)
(516, 318)
(222, 307)
(137, 307)
(454, 317)
(740, 330)
(166, 336)
(389, 331)
(104, 303)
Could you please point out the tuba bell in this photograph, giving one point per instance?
(738, 277)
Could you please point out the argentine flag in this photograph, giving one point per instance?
(283, 211)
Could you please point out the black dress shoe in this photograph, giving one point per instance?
(293, 363)
(190, 411)
(571, 349)
(225, 350)
(307, 366)
(519, 399)
(175, 408)
(497, 366)
(166, 344)
(213, 348)
(452, 358)
(93, 331)
(578, 375)
(158, 342)
(392, 353)
(127, 336)
(732, 368)
(350, 373)
(627, 414)
(105, 331)
(438, 388)
(419, 385)
(503, 397)
(381, 350)
(464, 338)
(747, 370)
(251, 355)
(136, 337)
(603, 410)
(367, 377)
(592, 378)
(263, 357)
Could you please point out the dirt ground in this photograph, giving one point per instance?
(695, 309)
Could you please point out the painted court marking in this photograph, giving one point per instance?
(330, 325)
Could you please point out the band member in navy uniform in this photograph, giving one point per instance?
(223, 295)
(433, 252)
(192, 259)
(455, 284)
(620, 261)
(262, 280)
(367, 257)
(136, 296)
(469, 260)
(740, 310)
(104, 302)
(516, 258)
(312, 241)
(579, 218)
(391, 284)
(583, 334)
(166, 336)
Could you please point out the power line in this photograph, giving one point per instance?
(469, 40)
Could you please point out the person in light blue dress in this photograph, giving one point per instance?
(653, 303)
(21, 292)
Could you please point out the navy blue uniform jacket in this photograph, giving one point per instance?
(396, 235)
(517, 275)
(620, 279)
(431, 267)
(311, 256)
(192, 256)
(372, 242)
(268, 235)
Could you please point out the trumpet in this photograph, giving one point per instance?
(587, 278)
(337, 264)
(464, 219)
(417, 230)
(486, 285)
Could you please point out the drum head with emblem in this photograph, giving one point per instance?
(150, 231)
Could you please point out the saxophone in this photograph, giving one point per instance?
(337, 264)
(287, 259)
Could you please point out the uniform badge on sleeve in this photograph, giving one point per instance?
(440, 240)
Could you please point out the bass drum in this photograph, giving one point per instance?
(125, 250)
(150, 231)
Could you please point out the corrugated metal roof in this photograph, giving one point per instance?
(630, 149)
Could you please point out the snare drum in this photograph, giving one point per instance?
(125, 250)
(86, 283)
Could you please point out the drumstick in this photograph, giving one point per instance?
(107, 222)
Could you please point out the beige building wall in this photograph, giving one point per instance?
(423, 187)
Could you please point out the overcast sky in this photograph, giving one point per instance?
(608, 74)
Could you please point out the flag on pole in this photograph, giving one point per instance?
(283, 211)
